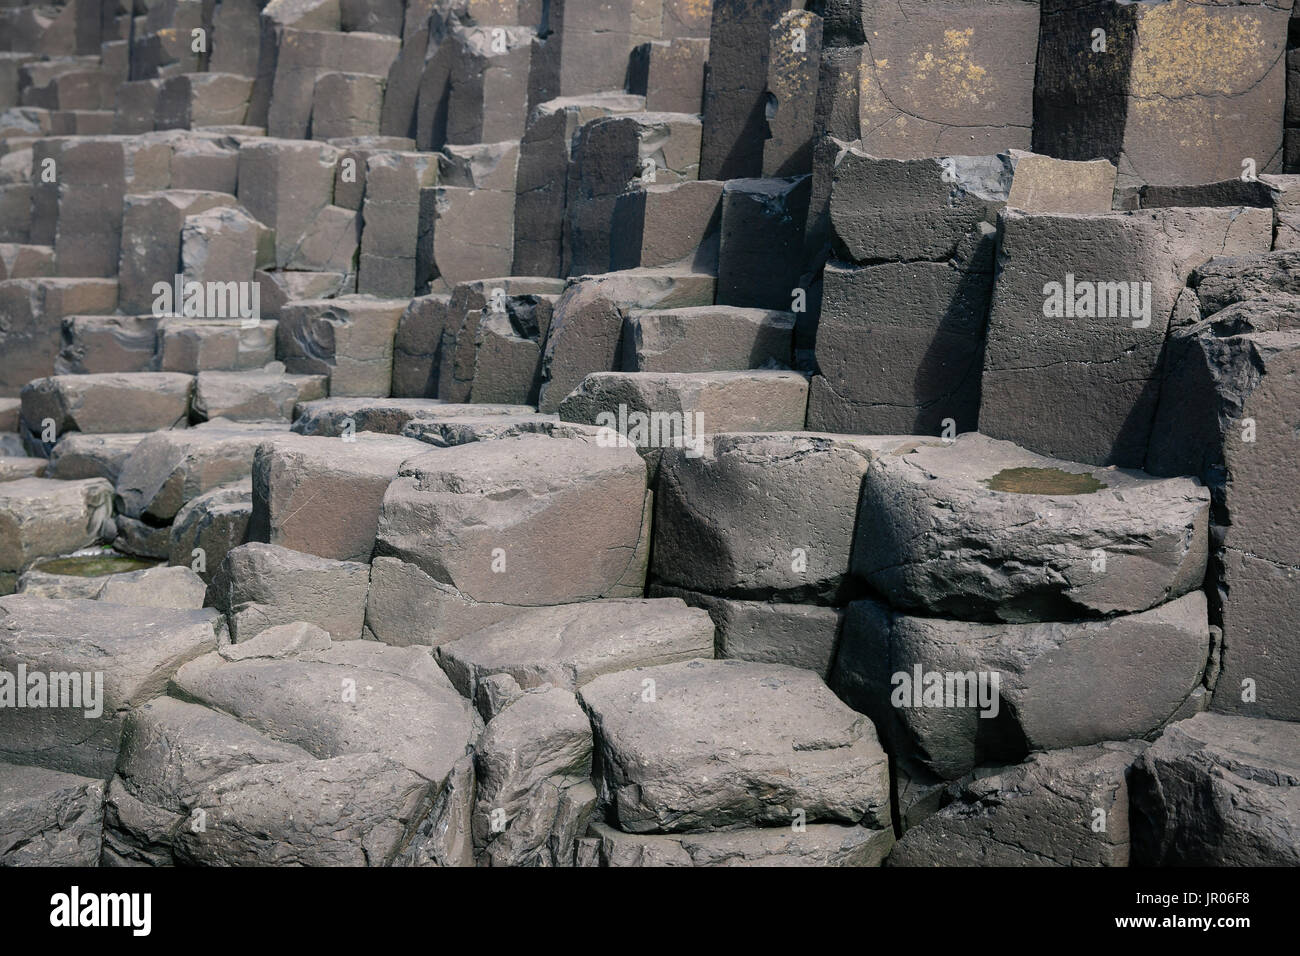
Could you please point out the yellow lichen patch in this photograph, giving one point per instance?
(1188, 48)
(1043, 481)
(949, 72)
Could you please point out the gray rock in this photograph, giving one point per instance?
(570, 645)
(322, 496)
(982, 530)
(49, 818)
(1003, 690)
(178, 588)
(1061, 808)
(716, 744)
(819, 844)
(533, 768)
(213, 523)
(1219, 791)
(110, 402)
(127, 654)
(77, 455)
(760, 515)
(262, 585)
(707, 339)
(799, 635)
(42, 517)
(453, 513)
(168, 469)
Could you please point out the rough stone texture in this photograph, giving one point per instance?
(110, 402)
(707, 339)
(41, 517)
(1032, 358)
(1059, 685)
(762, 515)
(1040, 813)
(534, 795)
(982, 530)
(800, 635)
(49, 818)
(261, 585)
(821, 844)
(732, 743)
(137, 650)
(572, 644)
(169, 468)
(1154, 104)
(350, 339)
(1217, 790)
(454, 513)
(322, 496)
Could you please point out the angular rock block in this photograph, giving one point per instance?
(572, 644)
(1040, 813)
(671, 225)
(350, 339)
(151, 242)
(334, 417)
(610, 155)
(213, 524)
(285, 185)
(226, 345)
(12, 469)
(34, 310)
(957, 694)
(391, 218)
(793, 70)
(460, 429)
(226, 245)
(706, 745)
(110, 402)
(192, 100)
(417, 346)
(707, 339)
(711, 537)
(1081, 306)
(19, 261)
(759, 260)
(176, 588)
(42, 517)
(583, 536)
(957, 77)
(735, 103)
(821, 844)
(545, 153)
(167, 469)
(121, 657)
(1045, 184)
(48, 818)
(81, 210)
(670, 74)
(487, 101)
(1151, 104)
(76, 455)
(260, 586)
(107, 343)
(525, 301)
(1218, 791)
(303, 56)
(264, 395)
(322, 496)
(533, 796)
(799, 635)
(586, 329)
(982, 530)
(464, 234)
(656, 410)
(346, 104)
